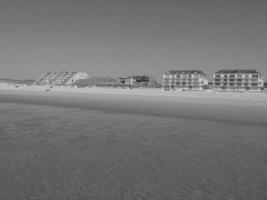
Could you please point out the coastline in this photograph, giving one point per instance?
(138, 91)
(244, 108)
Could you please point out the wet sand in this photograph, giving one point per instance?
(89, 145)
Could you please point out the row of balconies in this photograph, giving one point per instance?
(58, 77)
(178, 79)
(181, 76)
(251, 79)
(199, 84)
(171, 80)
(236, 85)
(195, 79)
(174, 83)
(237, 82)
(236, 75)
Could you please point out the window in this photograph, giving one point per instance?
(232, 76)
(254, 75)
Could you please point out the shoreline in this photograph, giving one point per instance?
(239, 108)
(137, 91)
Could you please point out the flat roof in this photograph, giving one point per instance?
(185, 72)
(237, 71)
(137, 76)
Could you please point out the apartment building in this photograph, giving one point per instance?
(238, 80)
(60, 78)
(184, 80)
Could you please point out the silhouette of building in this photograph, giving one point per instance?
(60, 78)
(184, 80)
(238, 80)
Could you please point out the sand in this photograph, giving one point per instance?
(132, 144)
(248, 108)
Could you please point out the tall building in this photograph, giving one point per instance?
(239, 80)
(60, 78)
(184, 80)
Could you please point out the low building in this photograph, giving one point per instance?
(238, 80)
(137, 81)
(60, 78)
(184, 80)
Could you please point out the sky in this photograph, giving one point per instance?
(131, 37)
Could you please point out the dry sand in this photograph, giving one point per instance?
(132, 144)
(250, 108)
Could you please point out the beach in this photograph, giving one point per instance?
(103, 143)
(199, 105)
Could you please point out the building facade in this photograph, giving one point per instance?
(137, 81)
(238, 80)
(60, 78)
(184, 80)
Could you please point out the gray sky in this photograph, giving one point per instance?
(117, 38)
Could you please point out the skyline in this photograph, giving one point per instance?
(119, 38)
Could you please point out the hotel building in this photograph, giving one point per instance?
(238, 80)
(184, 80)
(60, 78)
